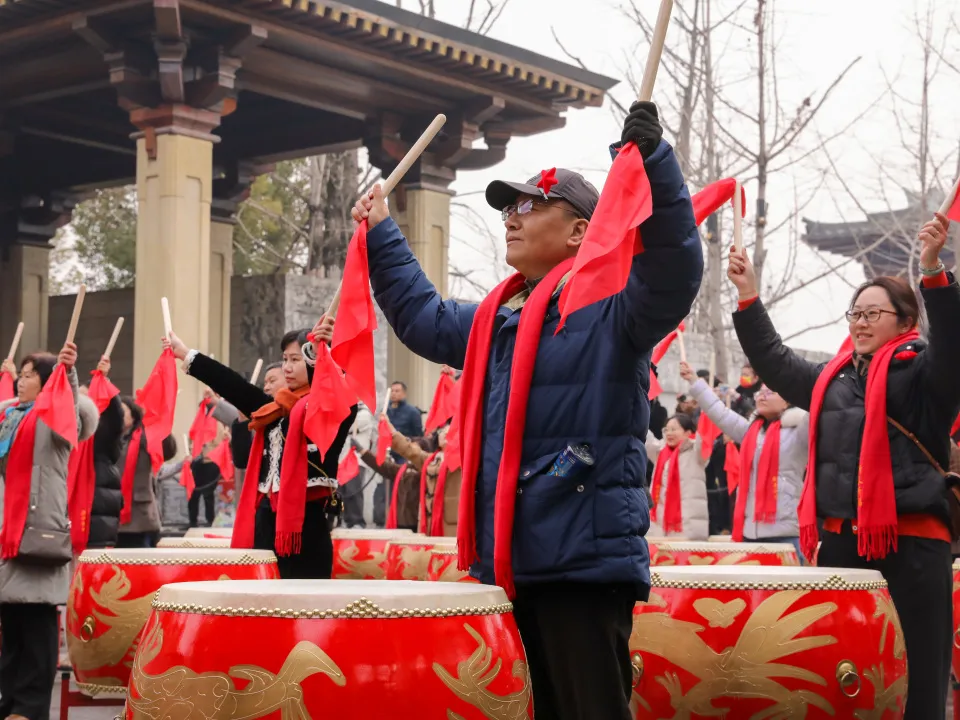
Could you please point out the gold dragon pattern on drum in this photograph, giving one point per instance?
(450, 573)
(745, 670)
(124, 618)
(415, 562)
(473, 677)
(360, 569)
(184, 694)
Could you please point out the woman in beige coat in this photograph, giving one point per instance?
(694, 516)
(29, 592)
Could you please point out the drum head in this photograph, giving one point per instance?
(727, 547)
(436, 541)
(204, 532)
(332, 598)
(365, 534)
(745, 577)
(177, 556)
(194, 542)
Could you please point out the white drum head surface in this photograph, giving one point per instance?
(727, 547)
(194, 542)
(203, 532)
(177, 556)
(371, 534)
(761, 577)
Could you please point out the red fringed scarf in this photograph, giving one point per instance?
(17, 478)
(876, 501)
(129, 475)
(436, 520)
(422, 522)
(81, 485)
(731, 466)
(394, 495)
(765, 493)
(245, 522)
(672, 514)
(471, 415)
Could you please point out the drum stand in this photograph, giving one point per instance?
(72, 698)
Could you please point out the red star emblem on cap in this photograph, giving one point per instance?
(548, 178)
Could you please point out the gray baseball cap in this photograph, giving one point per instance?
(570, 186)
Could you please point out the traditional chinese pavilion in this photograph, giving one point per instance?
(190, 99)
(881, 243)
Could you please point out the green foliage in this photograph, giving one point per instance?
(105, 238)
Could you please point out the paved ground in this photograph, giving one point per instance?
(82, 713)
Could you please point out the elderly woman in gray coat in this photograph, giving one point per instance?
(762, 514)
(29, 591)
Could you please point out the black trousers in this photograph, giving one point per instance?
(28, 659)
(920, 579)
(208, 494)
(138, 540)
(315, 559)
(381, 501)
(352, 494)
(577, 637)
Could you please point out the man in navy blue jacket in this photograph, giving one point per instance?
(580, 560)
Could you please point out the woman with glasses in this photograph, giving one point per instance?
(679, 486)
(773, 460)
(885, 401)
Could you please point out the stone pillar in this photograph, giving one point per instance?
(221, 271)
(24, 295)
(423, 214)
(174, 169)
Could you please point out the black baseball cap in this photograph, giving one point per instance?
(570, 186)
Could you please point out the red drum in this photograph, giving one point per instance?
(194, 542)
(768, 642)
(409, 558)
(209, 532)
(345, 649)
(110, 597)
(361, 554)
(443, 566)
(670, 552)
(956, 634)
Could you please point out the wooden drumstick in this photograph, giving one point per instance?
(683, 349)
(113, 338)
(75, 318)
(16, 342)
(186, 445)
(948, 200)
(256, 371)
(167, 324)
(656, 50)
(738, 216)
(394, 179)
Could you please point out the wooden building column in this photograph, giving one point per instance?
(423, 214)
(174, 185)
(25, 235)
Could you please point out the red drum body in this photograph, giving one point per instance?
(209, 532)
(768, 642)
(360, 554)
(443, 566)
(110, 597)
(956, 625)
(194, 542)
(344, 649)
(409, 558)
(669, 552)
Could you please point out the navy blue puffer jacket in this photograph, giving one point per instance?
(590, 385)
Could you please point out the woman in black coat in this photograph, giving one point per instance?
(107, 496)
(887, 509)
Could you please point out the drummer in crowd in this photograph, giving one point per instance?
(679, 485)
(879, 419)
(575, 470)
(271, 509)
(773, 461)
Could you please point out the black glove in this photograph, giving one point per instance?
(642, 126)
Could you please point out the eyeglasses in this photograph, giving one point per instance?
(765, 393)
(871, 315)
(527, 206)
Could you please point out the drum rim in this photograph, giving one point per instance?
(98, 690)
(422, 541)
(248, 557)
(370, 533)
(185, 542)
(714, 581)
(200, 532)
(756, 548)
(443, 551)
(361, 608)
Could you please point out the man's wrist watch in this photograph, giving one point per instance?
(930, 272)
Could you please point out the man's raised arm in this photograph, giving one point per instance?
(431, 327)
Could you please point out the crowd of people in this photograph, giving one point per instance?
(552, 465)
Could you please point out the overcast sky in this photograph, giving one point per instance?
(817, 39)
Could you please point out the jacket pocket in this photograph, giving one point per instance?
(553, 520)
